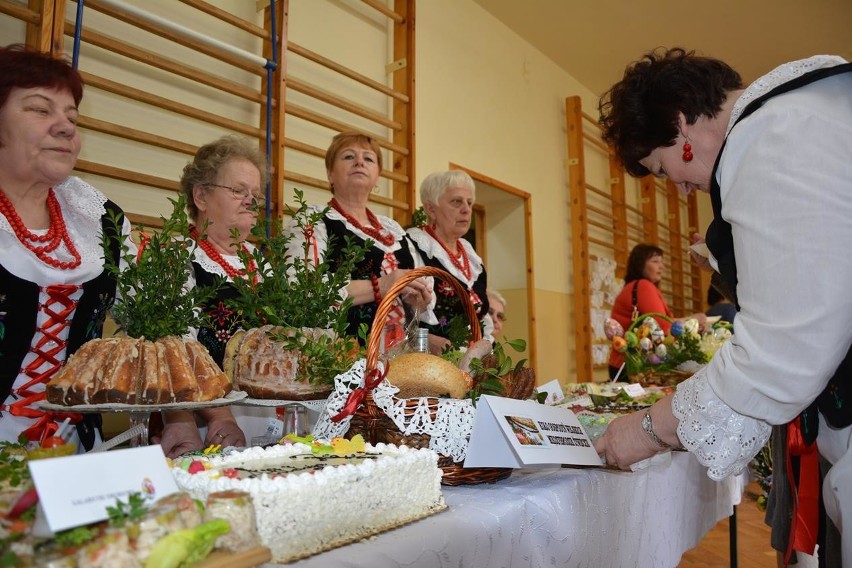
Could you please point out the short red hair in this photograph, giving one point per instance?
(25, 68)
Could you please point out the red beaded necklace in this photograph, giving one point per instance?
(377, 232)
(57, 233)
(464, 265)
(217, 257)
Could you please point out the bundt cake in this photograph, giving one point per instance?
(136, 371)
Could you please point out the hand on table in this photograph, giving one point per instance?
(625, 442)
(224, 433)
(180, 434)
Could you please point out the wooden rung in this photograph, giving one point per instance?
(19, 12)
(378, 6)
(135, 135)
(228, 17)
(326, 97)
(160, 62)
(364, 80)
(186, 41)
(316, 118)
(149, 221)
(167, 104)
(596, 142)
(126, 175)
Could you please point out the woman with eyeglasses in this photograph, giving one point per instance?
(223, 185)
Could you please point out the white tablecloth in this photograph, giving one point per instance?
(557, 517)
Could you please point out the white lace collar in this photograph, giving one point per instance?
(82, 208)
(433, 249)
(389, 225)
(212, 267)
(778, 76)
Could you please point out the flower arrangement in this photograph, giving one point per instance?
(652, 356)
(297, 297)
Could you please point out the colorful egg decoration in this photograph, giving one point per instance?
(653, 359)
(613, 329)
(642, 332)
(632, 340)
(645, 344)
(657, 335)
(619, 344)
(677, 329)
(691, 326)
(661, 350)
(651, 323)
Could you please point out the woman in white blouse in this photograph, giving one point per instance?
(774, 157)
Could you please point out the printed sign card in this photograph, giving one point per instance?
(553, 390)
(517, 433)
(76, 490)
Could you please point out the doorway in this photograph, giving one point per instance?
(503, 239)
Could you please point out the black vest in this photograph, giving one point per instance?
(369, 266)
(19, 301)
(835, 402)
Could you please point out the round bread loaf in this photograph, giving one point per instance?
(422, 374)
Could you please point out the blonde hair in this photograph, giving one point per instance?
(436, 183)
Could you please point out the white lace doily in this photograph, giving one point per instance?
(449, 431)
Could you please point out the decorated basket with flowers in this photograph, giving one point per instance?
(653, 357)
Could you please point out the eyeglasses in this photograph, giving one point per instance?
(499, 315)
(241, 193)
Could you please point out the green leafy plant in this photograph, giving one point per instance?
(135, 508)
(488, 371)
(153, 300)
(290, 291)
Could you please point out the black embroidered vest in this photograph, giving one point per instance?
(370, 265)
(835, 402)
(19, 309)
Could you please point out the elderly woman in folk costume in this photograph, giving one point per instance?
(447, 199)
(223, 185)
(54, 289)
(353, 162)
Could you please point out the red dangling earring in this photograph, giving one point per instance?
(687, 152)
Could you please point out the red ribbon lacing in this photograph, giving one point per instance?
(59, 306)
(805, 521)
(356, 397)
(143, 242)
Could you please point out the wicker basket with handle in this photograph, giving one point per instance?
(372, 422)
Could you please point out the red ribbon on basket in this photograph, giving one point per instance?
(805, 521)
(356, 397)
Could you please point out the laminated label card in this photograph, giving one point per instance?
(517, 433)
(76, 490)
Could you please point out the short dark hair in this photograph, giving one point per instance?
(24, 68)
(640, 112)
(637, 259)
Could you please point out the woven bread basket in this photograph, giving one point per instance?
(372, 422)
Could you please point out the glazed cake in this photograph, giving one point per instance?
(306, 503)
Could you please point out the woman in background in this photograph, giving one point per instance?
(641, 295)
(447, 199)
(497, 311)
(353, 162)
(54, 290)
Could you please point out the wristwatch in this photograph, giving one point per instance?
(648, 426)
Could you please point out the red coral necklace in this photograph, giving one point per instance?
(57, 233)
(217, 257)
(460, 260)
(376, 231)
